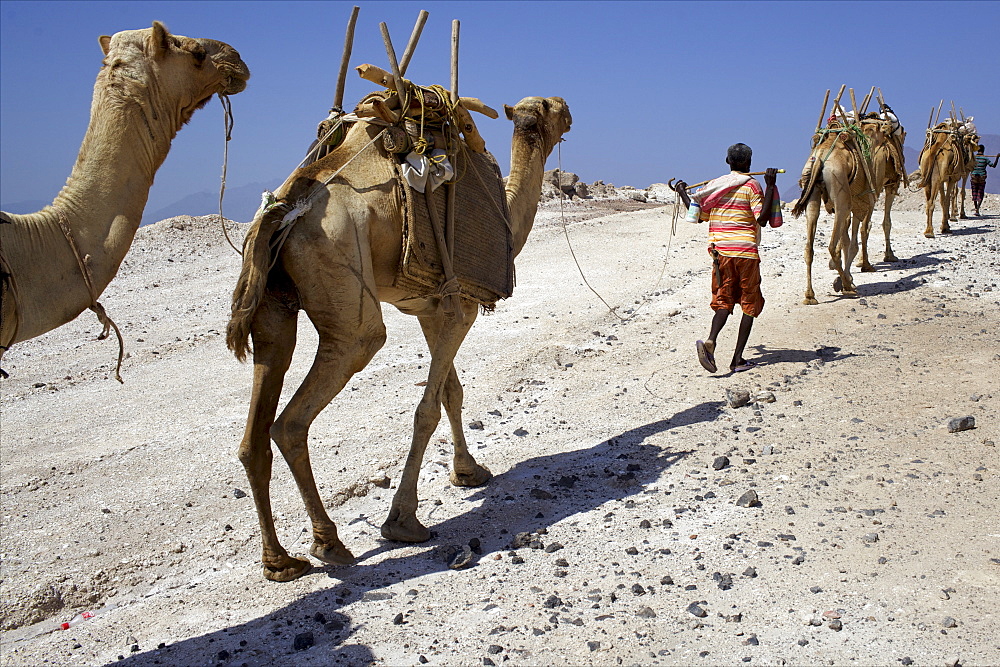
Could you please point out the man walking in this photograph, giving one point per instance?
(979, 177)
(736, 209)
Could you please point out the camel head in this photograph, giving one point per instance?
(186, 71)
(543, 119)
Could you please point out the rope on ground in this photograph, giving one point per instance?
(612, 310)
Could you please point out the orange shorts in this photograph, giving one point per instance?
(736, 280)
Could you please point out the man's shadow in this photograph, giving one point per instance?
(531, 497)
(768, 355)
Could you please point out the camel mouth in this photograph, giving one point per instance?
(229, 64)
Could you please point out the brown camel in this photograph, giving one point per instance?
(943, 160)
(56, 262)
(969, 143)
(886, 137)
(837, 174)
(338, 263)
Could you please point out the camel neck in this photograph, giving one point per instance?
(126, 141)
(524, 185)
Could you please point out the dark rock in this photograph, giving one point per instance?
(494, 649)
(540, 494)
(803, 642)
(737, 398)
(567, 482)
(835, 625)
(553, 547)
(552, 602)
(459, 557)
(632, 551)
(961, 424)
(870, 537)
(645, 524)
(750, 572)
(476, 545)
(593, 645)
(239, 493)
(476, 425)
(720, 462)
(752, 641)
(398, 619)
(520, 540)
(516, 560)
(520, 432)
(637, 589)
(949, 622)
(303, 640)
(748, 499)
(223, 655)
(646, 612)
(666, 580)
(726, 582)
(695, 610)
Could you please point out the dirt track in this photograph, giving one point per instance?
(601, 435)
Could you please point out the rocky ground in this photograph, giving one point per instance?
(815, 510)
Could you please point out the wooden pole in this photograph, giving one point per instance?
(338, 98)
(751, 173)
(938, 117)
(854, 104)
(930, 121)
(822, 113)
(867, 101)
(881, 100)
(450, 193)
(397, 82)
(411, 46)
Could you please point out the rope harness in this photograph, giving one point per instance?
(227, 119)
(84, 263)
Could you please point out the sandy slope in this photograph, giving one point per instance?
(601, 434)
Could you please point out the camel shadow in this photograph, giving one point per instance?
(904, 284)
(969, 231)
(531, 497)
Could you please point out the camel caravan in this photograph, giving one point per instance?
(947, 157)
(397, 201)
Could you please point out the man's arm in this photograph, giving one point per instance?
(770, 176)
(995, 160)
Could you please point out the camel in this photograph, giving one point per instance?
(888, 171)
(969, 144)
(943, 160)
(55, 263)
(837, 174)
(338, 262)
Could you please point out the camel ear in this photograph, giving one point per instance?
(160, 39)
(508, 111)
(105, 42)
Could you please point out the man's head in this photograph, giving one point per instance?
(738, 157)
(981, 149)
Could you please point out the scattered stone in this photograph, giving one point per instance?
(907, 661)
(552, 602)
(494, 649)
(645, 524)
(632, 551)
(750, 572)
(540, 494)
(476, 545)
(870, 538)
(949, 622)
(646, 612)
(815, 589)
(957, 424)
(398, 619)
(553, 547)
(666, 580)
(765, 397)
(720, 462)
(725, 582)
(752, 641)
(476, 425)
(737, 398)
(695, 610)
(459, 557)
(567, 482)
(303, 640)
(835, 625)
(381, 481)
(239, 493)
(637, 589)
(748, 499)
(516, 560)
(803, 642)
(520, 540)
(520, 432)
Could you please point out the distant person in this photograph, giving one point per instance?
(736, 208)
(979, 177)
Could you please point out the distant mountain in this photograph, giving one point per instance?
(239, 204)
(990, 141)
(22, 207)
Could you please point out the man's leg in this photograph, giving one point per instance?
(741, 341)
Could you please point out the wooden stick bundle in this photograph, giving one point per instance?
(338, 98)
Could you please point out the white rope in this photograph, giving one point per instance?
(612, 310)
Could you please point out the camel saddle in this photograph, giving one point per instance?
(483, 259)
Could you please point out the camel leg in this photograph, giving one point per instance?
(464, 471)
(273, 332)
(812, 216)
(962, 195)
(863, 263)
(402, 523)
(890, 196)
(946, 200)
(930, 193)
(840, 243)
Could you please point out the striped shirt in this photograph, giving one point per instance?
(732, 223)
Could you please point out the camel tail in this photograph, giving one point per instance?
(808, 181)
(250, 286)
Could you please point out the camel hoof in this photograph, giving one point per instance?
(810, 301)
(335, 554)
(850, 293)
(929, 235)
(479, 476)
(867, 268)
(286, 569)
(838, 284)
(890, 258)
(406, 530)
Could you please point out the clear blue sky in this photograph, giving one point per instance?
(657, 89)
